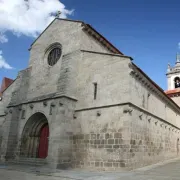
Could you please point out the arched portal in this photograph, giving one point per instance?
(34, 142)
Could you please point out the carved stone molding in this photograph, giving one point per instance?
(31, 106)
(141, 115)
(53, 104)
(75, 116)
(45, 103)
(5, 112)
(19, 108)
(98, 113)
(149, 118)
(150, 86)
(60, 103)
(127, 109)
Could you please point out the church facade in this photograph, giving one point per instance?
(82, 103)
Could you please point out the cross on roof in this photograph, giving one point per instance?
(58, 14)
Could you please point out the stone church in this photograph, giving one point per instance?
(82, 103)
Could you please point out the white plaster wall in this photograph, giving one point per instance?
(169, 83)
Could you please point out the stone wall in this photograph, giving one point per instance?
(99, 139)
(151, 139)
(59, 114)
(6, 99)
(2, 121)
(137, 125)
(121, 137)
(176, 100)
(72, 37)
(145, 95)
(111, 73)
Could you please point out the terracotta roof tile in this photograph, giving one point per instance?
(174, 91)
(6, 82)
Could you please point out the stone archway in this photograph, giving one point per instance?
(34, 141)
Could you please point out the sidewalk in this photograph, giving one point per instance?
(169, 170)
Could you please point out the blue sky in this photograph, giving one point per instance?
(148, 31)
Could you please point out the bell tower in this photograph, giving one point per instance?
(173, 74)
(173, 81)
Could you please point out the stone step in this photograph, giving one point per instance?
(28, 161)
(33, 159)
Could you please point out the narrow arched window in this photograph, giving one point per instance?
(177, 82)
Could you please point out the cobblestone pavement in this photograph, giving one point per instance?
(168, 171)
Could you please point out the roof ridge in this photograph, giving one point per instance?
(101, 39)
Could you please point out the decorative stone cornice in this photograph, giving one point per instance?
(53, 104)
(98, 113)
(140, 115)
(151, 87)
(45, 103)
(6, 112)
(107, 54)
(174, 95)
(75, 116)
(42, 99)
(149, 118)
(127, 109)
(19, 108)
(31, 106)
(60, 103)
(132, 107)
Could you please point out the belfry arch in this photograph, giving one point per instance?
(34, 140)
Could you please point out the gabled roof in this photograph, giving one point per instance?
(96, 35)
(6, 82)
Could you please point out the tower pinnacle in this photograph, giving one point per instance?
(177, 58)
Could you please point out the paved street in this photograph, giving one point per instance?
(169, 171)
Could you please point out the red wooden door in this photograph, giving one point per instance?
(43, 142)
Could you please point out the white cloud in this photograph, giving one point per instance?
(3, 63)
(28, 17)
(3, 38)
